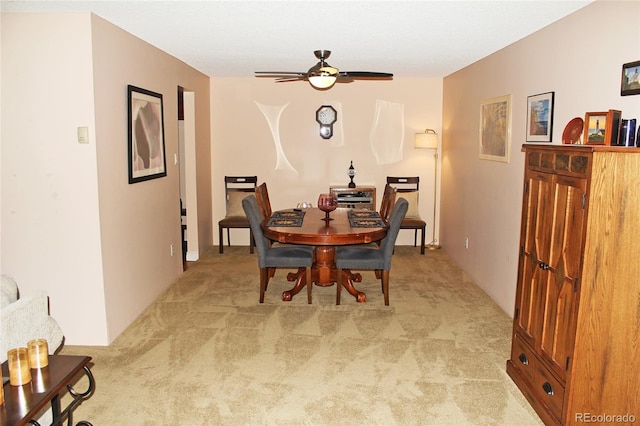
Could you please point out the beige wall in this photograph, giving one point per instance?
(243, 145)
(50, 220)
(580, 59)
(71, 223)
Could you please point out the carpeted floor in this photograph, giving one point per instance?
(207, 353)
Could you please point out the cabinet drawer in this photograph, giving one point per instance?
(524, 359)
(547, 389)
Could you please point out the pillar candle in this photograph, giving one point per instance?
(19, 371)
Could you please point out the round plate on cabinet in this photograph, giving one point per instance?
(573, 131)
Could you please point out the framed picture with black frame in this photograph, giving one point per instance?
(146, 135)
(630, 84)
(540, 117)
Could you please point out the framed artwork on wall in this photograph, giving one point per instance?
(540, 117)
(602, 128)
(146, 135)
(495, 128)
(630, 84)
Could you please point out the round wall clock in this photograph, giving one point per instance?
(326, 115)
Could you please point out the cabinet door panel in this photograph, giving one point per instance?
(565, 253)
(536, 214)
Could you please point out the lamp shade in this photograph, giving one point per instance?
(428, 139)
(322, 81)
(323, 78)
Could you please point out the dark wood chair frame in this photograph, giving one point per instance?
(242, 184)
(262, 195)
(388, 200)
(409, 184)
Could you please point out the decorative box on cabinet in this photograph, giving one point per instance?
(576, 331)
(360, 197)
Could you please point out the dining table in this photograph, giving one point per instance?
(308, 226)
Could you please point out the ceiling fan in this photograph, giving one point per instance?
(322, 75)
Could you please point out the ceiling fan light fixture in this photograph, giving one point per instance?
(324, 78)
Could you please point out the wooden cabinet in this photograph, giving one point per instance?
(360, 197)
(576, 330)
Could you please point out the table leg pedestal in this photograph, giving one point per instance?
(324, 273)
(300, 279)
(348, 278)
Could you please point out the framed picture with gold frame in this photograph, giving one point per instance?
(602, 128)
(495, 128)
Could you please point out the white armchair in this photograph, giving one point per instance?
(25, 318)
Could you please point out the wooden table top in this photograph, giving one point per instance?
(315, 231)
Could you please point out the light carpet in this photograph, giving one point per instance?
(207, 353)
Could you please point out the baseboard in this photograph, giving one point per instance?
(192, 256)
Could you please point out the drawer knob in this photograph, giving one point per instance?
(544, 266)
(547, 388)
(523, 359)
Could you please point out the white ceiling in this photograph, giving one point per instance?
(407, 38)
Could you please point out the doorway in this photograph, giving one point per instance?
(187, 166)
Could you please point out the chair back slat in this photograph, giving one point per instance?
(404, 183)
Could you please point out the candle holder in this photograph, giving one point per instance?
(19, 371)
(351, 173)
(38, 353)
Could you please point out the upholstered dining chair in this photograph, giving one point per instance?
(235, 189)
(368, 258)
(270, 258)
(262, 195)
(408, 188)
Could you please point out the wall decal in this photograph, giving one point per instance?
(387, 132)
(272, 114)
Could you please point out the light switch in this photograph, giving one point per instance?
(83, 135)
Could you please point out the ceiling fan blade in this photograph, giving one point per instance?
(367, 74)
(277, 73)
(285, 79)
(344, 79)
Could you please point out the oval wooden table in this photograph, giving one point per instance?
(324, 236)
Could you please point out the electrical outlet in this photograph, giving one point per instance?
(172, 250)
(466, 242)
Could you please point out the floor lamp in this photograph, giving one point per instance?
(429, 140)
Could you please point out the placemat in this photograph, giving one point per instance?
(285, 221)
(288, 214)
(286, 218)
(363, 214)
(367, 223)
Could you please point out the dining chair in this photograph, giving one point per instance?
(368, 258)
(262, 195)
(270, 258)
(388, 200)
(235, 189)
(408, 188)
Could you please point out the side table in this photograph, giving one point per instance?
(47, 387)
